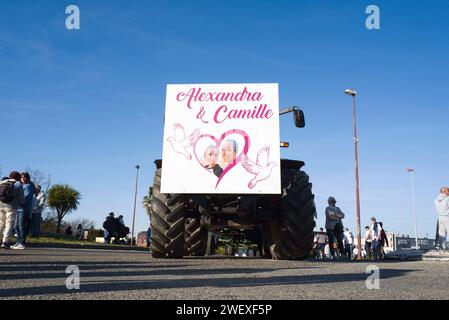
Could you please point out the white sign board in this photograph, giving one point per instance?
(221, 139)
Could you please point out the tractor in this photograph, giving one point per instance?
(281, 224)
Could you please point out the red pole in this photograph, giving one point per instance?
(134, 211)
(359, 235)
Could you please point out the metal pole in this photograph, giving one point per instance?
(135, 200)
(359, 231)
(414, 208)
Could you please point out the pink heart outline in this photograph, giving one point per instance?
(218, 142)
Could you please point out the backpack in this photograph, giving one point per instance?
(7, 193)
(339, 227)
(110, 224)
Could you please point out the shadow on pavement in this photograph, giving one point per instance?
(132, 285)
(83, 265)
(117, 270)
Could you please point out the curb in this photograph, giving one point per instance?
(435, 259)
(424, 255)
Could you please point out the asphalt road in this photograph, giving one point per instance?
(40, 273)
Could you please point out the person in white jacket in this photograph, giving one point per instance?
(442, 207)
(349, 243)
(375, 236)
(38, 207)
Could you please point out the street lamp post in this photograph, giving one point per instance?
(411, 171)
(353, 93)
(135, 200)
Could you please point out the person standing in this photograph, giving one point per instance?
(24, 213)
(442, 208)
(79, 233)
(376, 237)
(121, 221)
(106, 236)
(109, 225)
(68, 231)
(349, 243)
(122, 229)
(321, 239)
(383, 241)
(11, 198)
(38, 207)
(368, 243)
(334, 225)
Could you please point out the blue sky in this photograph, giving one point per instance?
(85, 106)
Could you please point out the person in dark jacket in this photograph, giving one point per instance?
(24, 213)
(334, 227)
(110, 225)
(383, 241)
(68, 231)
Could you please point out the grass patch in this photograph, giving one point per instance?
(58, 240)
(66, 240)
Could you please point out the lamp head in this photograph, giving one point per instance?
(351, 92)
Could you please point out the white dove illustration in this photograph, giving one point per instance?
(180, 143)
(261, 169)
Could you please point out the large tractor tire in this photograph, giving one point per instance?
(292, 226)
(167, 222)
(195, 238)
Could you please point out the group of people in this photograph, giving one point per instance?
(114, 227)
(341, 240)
(79, 232)
(216, 162)
(21, 206)
(375, 240)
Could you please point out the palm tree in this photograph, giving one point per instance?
(146, 202)
(63, 199)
